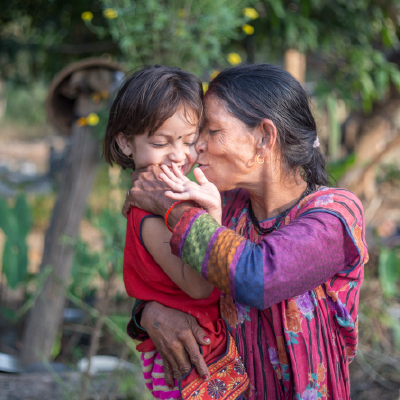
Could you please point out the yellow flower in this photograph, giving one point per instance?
(87, 16)
(214, 74)
(92, 119)
(205, 87)
(81, 121)
(110, 13)
(248, 29)
(250, 12)
(181, 13)
(234, 58)
(179, 31)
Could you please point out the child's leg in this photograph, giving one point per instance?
(153, 372)
(147, 360)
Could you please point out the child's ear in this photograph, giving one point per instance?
(123, 144)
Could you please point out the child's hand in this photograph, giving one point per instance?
(205, 194)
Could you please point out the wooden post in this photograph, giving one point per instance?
(295, 64)
(76, 88)
(45, 317)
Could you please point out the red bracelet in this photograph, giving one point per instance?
(173, 205)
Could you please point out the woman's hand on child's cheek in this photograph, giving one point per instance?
(147, 192)
(176, 336)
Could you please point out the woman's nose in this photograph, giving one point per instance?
(201, 144)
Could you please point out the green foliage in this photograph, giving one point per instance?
(338, 168)
(15, 223)
(26, 105)
(39, 38)
(84, 269)
(344, 40)
(334, 127)
(113, 228)
(120, 322)
(185, 33)
(88, 264)
(41, 206)
(389, 271)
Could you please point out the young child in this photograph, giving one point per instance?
(154, 120)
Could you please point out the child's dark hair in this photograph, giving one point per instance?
(148, 98)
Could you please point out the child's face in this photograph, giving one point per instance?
(173, 141)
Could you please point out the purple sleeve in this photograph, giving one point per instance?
(305, 254)
(290, 261)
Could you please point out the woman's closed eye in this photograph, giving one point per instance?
(211, 132)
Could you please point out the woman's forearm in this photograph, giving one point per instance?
(176, 213)
(288, 262)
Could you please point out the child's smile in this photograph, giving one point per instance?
(173, 142)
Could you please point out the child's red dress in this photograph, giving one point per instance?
(145, 280)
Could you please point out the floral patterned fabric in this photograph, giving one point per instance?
(228, 378)
(294, 319)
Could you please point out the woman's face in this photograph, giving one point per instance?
(226, 147)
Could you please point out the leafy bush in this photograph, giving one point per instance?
(15, 222)
(25, 105)
(188, 34)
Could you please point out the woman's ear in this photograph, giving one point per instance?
(265, 135)
(123, 144)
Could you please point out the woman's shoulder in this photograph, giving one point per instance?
(343, 204)
(327, 198)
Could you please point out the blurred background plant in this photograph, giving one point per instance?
(347, 55)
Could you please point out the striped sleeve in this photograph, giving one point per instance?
(296, 258)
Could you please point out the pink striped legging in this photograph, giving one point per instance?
(153, 372)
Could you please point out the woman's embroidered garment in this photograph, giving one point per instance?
(295, 291)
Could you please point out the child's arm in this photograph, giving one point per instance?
(205, 194)
(156, 237)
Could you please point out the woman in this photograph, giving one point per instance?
(290, 253)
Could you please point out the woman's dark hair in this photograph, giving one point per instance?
(146, 100)
(253, 92)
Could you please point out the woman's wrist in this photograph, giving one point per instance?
(149, 315)
(176, 213)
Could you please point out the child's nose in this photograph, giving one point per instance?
(178, 154)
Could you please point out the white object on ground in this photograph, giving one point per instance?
(9, 363)
(105, 364)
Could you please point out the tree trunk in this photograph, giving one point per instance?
(46, 315)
